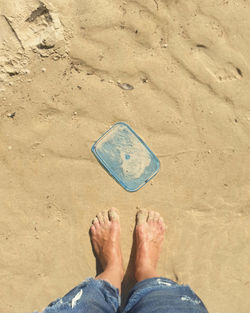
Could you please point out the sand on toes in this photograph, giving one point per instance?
(105, 237)
(149, 236)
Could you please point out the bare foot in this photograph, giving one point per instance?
(149, 234)
(105, 237)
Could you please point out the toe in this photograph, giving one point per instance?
(156, 216)
(105, 217)
(141, 217)
(160, 220)
(92, 229)
(161, 223)
(113, 214)
(100, 218)
(95, 222)
(151, 215)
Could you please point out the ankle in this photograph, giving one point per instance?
(112, 274)
(115, 268)
(145, 272)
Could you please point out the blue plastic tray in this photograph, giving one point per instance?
(126, 157)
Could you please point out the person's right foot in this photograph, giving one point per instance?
(149, 231)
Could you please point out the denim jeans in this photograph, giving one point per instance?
(154, 295)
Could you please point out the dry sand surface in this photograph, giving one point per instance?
(60, 65)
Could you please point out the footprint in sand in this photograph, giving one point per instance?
(222, 71)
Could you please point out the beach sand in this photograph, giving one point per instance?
(61, 63)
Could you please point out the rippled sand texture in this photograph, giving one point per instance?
(178, 73)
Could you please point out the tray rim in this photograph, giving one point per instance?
(110, 172)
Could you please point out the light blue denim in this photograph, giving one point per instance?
(154, 295)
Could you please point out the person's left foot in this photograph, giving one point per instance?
(105, 236)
